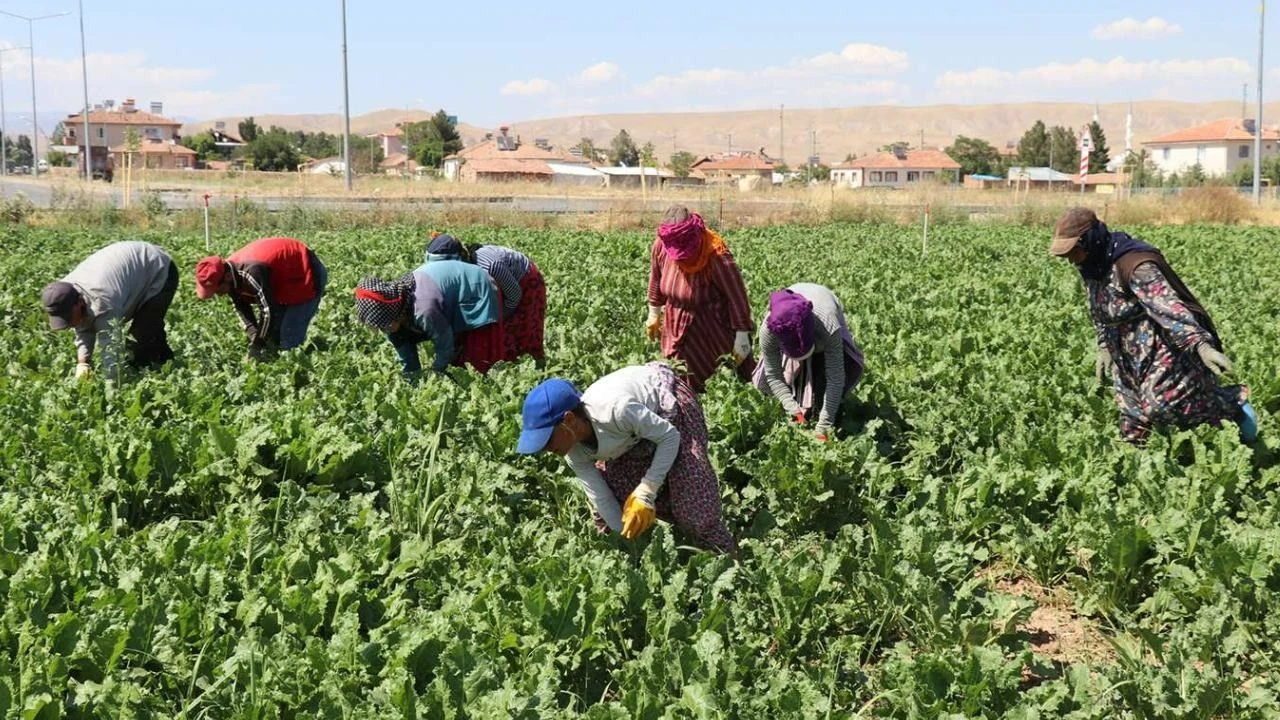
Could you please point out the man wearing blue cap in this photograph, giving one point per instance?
(637, 441)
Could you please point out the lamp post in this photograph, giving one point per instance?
(346, 105)
(84, 75)
(31, 42)
(4, 119)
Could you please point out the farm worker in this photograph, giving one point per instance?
(453, 304)
(524, 293)
(809, 361)
(127, 281)
(697, 301)
(637, 441)
(280, 277)
(1154, 336)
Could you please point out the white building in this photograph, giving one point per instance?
(895, 169)
(1219, 147)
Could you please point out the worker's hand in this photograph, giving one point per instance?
(638, 512)
(821, 436)
(1103, 365)
(257, 350)
(653, 324)
(83, 370)
(1217, 363)
(799, 417)
(822, 432)
(741, 346)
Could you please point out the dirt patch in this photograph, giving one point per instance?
(1054, 630)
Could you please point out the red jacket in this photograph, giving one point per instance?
(289, 264)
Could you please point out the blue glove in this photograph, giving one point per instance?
(1248, 423)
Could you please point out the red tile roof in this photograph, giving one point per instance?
(928, 159)
(738, 163)
(119, 117)
(488, 150)
(157, 148)
(1225, 130)
(509, 166)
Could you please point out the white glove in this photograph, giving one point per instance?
(1217, 363)
(83, 370)
(653, 323)
(741, 346)
(647, 493)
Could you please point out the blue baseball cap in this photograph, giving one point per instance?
(544, 408)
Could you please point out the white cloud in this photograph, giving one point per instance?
(1131, 29)
(185, 91)
(1118, 77)
(601, 72)
(861, 57)
(536, 86)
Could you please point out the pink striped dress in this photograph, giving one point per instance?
(701, 313)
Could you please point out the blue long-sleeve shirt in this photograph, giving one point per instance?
(449, 297)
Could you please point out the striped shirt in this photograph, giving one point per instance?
(250, 289)
(703, 311)
(507, 267)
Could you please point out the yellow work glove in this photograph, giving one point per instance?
(741, 346)
(653, 324)
(638, 512)
(83, 370)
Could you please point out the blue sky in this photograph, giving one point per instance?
(490, 65)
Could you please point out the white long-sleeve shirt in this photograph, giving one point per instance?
(624, 408)
(114, 282)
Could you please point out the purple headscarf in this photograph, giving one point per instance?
(791, 322)
(683, 240)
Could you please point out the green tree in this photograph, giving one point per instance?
(623, 151)
(59, 135)
(976, 157)
(1065, 150)
(447, 132)
(681, 163)
(366, 155)
(20, 151)
(1195, 176)
(1142, 169)
(899, 144)
(590, 152)
(320, 145)
(1033, 148)
(204, 145)
(57, 158)
(1099, 154)
(649, 155)
(249, 129)
(273, 151)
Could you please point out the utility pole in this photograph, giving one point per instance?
(84, 75)
(1257, 123)
(31, 49)
(4, 119)
(781, 135)
(346, 105)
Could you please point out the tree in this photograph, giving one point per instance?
(590, 152)
(273, 151)
(430, 141)
(447, 132)
(899, 144)
(1139, 166)
(57, 158)
(320, 145)
(59, 135)
(1099, 154)
(850, 157)
(1064, 149)
(649, 155)
(1195, 176)
(622, 151)
(366, 155)
(20, 151)
(681, 163)
(249, 129)
(1033, 148)
(976, 157)
(204, 145)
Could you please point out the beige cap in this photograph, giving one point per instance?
(1067, 233)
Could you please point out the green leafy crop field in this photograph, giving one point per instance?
(317, 537)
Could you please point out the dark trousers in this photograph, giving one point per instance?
(149, 340)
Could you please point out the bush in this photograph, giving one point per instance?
(17, 209)
(1213, 205)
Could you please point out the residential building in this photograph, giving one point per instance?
(1219, 147)
(392, 141)
(899, 168)
(733, 168)
(503, 157)
(109, 126)
(1040, 178)
(155, 154)
(226, 141)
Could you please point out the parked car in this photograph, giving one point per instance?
(43, 165)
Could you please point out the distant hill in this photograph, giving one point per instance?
(835, 131)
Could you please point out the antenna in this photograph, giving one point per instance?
(1244, 101)
(781, 135)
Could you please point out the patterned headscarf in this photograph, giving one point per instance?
(791, 321)
(683, 240)
(379, 303)
(444, 247)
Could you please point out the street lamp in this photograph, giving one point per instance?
(31, 42)
(4, 119)
(84, 75)
(346, 105)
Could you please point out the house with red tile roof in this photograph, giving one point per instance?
(109, 125)
(899, 168)
(734, 168)
(1219, 147)
(503, 157)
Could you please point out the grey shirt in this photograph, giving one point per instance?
(114, 282)
(828, 342)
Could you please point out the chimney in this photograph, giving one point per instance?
(127, 106)
(157, 108)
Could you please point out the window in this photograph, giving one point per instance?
(152, 132)
(913, 176)
(891, 176)
(927, 175)
(876, 176)
(1244, 151)
(102, 132)
(1164, 154)
(1200, 154)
